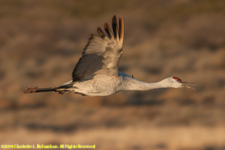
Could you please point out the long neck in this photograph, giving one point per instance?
(129, 83)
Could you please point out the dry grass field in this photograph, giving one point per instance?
(41, 41)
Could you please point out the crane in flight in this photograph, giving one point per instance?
(97, 74)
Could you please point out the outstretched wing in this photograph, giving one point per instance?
(102, 52)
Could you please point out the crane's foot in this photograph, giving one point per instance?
(61, 92)
(30, 90)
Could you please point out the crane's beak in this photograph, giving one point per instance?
(189, 85)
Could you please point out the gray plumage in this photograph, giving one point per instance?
(96, 73)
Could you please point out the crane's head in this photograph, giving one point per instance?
(176, 82)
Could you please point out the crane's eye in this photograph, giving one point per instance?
(177, 79)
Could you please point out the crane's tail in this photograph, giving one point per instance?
(29, 90)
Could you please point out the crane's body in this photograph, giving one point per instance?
(96, 73)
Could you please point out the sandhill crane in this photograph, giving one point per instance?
(96, 73)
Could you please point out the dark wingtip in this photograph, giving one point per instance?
(30, 90)
(100, 32)
(106, 25)
(114, 20)
(108, 30)
(114, 26)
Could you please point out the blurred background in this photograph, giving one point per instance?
(41, 41)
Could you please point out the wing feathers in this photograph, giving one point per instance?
(114, 26)
(102, 53)
(121, 29)
(108, 30)
(117, 32)
(100, 32)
